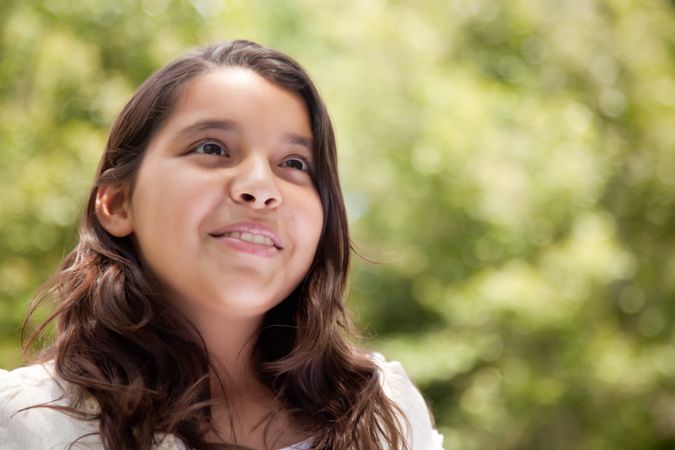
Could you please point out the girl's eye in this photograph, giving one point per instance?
(296, 163)
(211, 148)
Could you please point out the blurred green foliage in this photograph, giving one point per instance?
(510, 164)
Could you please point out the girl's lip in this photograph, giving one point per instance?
(248, 247)
(249, 227)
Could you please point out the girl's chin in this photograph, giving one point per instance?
(243, 303)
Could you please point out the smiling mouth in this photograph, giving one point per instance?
(257, 239)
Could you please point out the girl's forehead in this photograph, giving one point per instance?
(241, 94)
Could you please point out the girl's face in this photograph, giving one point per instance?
(223, 209)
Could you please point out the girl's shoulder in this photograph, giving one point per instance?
(30, 385)
(398, 387)
(23, 425)
(38, 377)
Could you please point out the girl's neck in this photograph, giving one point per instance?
(230, 343)
(249, 413)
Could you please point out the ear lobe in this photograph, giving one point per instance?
(113, 209)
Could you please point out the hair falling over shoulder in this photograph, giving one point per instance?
(147, 366)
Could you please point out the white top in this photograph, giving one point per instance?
(44, 428)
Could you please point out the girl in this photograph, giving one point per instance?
(203, 305)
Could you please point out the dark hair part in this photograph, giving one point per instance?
(146, 366)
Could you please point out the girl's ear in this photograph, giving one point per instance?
(113, 209)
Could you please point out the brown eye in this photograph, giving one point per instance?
(296, 163)
(211, 148)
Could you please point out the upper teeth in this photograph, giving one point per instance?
(250, 237)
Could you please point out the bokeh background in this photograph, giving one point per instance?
(508, 164)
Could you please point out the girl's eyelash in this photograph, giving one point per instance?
(218, 142)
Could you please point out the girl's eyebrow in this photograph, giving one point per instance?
(222, 125)
(296, 139)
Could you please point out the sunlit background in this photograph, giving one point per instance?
(509, 164)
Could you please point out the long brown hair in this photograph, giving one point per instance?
(119, 342)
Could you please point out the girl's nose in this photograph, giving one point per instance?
(254, 184)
